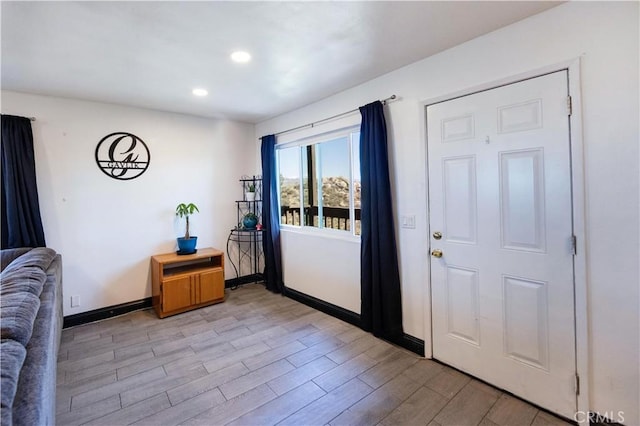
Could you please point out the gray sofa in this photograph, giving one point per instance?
(31, 322)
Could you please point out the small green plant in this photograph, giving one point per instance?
(252, 187)
(186, 210)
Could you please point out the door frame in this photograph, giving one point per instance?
(578, 214)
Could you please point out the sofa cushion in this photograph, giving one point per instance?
(40, 257)
(18, 312)
(13, 355)
(20, 287)
(9, 255)
(29, 279)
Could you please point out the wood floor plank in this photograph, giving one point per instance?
(292, 336)
(344, 372)
(223, 325)
(235, 407)
(281, 407)
(324, 409)
(86, 385)
(89, 412)
(87, 362)
(546, 419)
(258, 337)
(469, 405)
(511, 411)
(351, 334)
(185, 341)
(196, 359)
(161, 385)
(419, 409)
(323, 334)
(145, 345)
(206, 383)
(223, 361)
(276, 354)
(423, 370)
(352, 349)
(77, 350)
(447, 382)
(256, 378)
(223, 337)
(104, 367)
(184, 411)
(297, 377)
(138, 367)
(134, 412)
(115, 388)
(388, 368)
(371, 409)
(316, 351)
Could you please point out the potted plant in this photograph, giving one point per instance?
(249, 221)
(186, 244)
(250, 194)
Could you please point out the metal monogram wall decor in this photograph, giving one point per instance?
(122, 156)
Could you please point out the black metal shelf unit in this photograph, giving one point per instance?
(244, 246)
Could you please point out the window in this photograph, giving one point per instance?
(319, 180)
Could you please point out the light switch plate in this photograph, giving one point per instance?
(408, 222)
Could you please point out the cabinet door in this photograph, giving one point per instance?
(211, 286)
(176, 293)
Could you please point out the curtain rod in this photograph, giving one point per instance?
(384, 102)
(30, 118)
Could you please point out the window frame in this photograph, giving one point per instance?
(315, 140)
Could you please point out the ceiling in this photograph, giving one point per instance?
(153, 53)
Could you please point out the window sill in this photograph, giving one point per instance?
(332, 234)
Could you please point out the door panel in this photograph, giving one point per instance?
(177, 293)
(211, 286)
(462, 304)
(522, 200)
(460, 199)
(526, 337)
(500, 194)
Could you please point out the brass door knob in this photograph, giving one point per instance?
(437, 235)
(436, 253)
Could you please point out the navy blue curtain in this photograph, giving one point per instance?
(21, 221)
(271, 217)
(381, 304)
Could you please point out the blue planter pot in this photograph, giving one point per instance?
(249, 223)
(187, 246)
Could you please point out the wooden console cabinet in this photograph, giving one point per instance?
(183, 283)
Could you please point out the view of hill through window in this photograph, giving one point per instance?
(330, 162)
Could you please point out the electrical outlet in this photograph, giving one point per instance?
(75, 301)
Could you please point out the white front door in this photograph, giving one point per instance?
(500, 197)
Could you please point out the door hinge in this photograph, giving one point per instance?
(574, 244)
(577, 384)
(569, 106)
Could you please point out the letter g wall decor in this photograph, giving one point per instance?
(122, 156)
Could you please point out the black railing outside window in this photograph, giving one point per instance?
(332, 217)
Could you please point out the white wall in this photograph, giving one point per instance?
(605, 36)
(106, 229)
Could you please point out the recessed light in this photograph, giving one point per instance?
(200, 92)
(240, 57)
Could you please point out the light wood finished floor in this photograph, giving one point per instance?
(263, 359)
